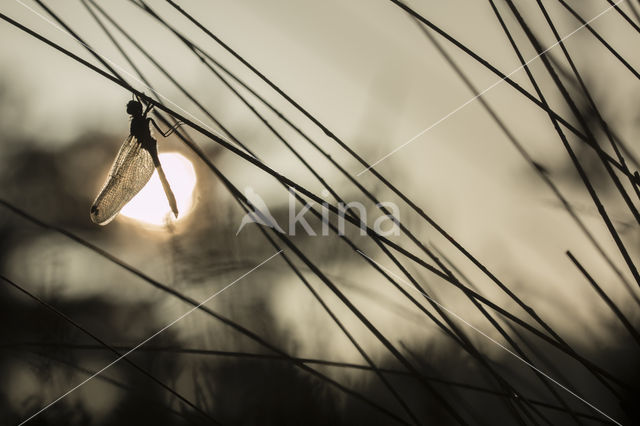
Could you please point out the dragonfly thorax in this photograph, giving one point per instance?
(140, 129)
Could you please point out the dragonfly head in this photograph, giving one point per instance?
(134, 108)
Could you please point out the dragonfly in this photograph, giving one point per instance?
(133, 167)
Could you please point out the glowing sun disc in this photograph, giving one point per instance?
(150, 205)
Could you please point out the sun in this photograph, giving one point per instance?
(150, 205)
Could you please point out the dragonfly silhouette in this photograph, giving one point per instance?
(133, 167)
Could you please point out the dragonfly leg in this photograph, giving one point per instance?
(172, 129)
(148, 109)
(168, 132)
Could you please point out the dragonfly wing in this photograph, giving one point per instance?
(130, 172)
